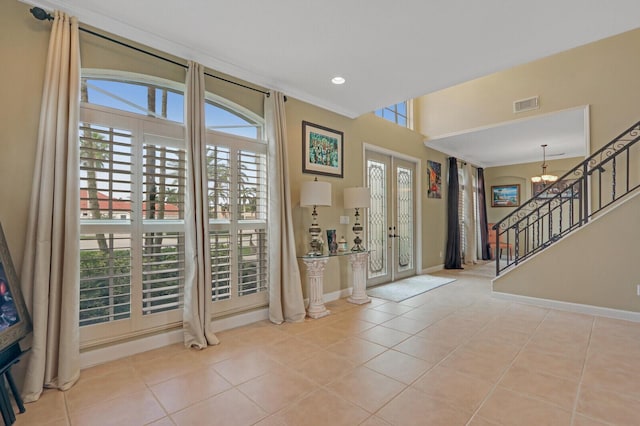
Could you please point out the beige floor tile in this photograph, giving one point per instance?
(323, 336)
(367, 388)
(384, 336)
(372, 315)
(509, 408)
(263, 336)
(580, 420)
(374, 421)
(291, 350)
(393, 308)
(552, 389)
(407, 325)
(132, 409)
(322, 408)
(245, 367)
(228, 408)
(424, 349)
(166, 367)
(356, 349)
(608, 406)
(325, 367)
(428, 314)
(554, 345)
(458, 390)
(479, 421)
(499, 334)
(165, 421)
(482, 367)
(614, 378)
(351, 325)
(412, 407)
(49, 409)
(278, 389)
(399, 366)
(502, 351)
(98, 388)
(554, 364)
(183, 391)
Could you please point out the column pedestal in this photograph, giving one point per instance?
(315, 271)
(358, 263)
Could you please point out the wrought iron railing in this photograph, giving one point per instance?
(592, 186)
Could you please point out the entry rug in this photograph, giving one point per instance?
(407, 288)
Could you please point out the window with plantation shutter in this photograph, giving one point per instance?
(133, 171)
(132, 183)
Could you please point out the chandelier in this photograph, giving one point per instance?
(544, 177)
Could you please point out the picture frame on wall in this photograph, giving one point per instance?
(15, 322)
(567, 188)
(322, 150)
(434, 179)
(505, 195)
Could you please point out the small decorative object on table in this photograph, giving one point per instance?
(342, 244)
(332, 241)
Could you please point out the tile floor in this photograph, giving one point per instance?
(452, 356)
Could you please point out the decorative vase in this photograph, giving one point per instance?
(332, 241)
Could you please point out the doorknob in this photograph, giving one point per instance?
(393, 234)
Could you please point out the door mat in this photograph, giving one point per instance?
(407, 288)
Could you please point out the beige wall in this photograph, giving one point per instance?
(596, 265)
(371, 130)
(520, 174)
(24, 41)
(603, 75)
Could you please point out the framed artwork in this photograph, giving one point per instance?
(15, 322)
(505, 195)
(322, 150)
(434, 179)
(567, 188)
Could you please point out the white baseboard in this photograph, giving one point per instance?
(433, 269)
(570, 307)
(120, 350)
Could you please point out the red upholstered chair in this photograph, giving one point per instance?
(500, 245)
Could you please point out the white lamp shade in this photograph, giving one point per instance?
(315, 193)
(359, 197)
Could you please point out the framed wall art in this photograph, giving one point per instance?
(505, 195)
(434, 179)
(322, 150)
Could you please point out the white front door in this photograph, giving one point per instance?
(391, 233)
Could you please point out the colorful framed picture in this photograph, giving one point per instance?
(322, 150)
(567, 188)
(434, 179)
(505, 195)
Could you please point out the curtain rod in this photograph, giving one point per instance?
(41, 15)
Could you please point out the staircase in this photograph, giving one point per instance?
(589, 189)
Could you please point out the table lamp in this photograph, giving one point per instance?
(357, 198)
(314, 193)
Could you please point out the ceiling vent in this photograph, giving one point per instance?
(526, 104)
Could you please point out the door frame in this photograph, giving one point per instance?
(417, 162)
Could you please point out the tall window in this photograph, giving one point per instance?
(132, 186)
(398, 113)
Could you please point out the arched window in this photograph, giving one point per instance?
(133, 172)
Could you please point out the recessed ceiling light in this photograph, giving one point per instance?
(338, 80)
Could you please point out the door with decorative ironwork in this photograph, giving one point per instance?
(391, 218)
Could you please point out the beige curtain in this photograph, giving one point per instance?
(50, 271)
(197, 285)
(471, 251)
(285, 293)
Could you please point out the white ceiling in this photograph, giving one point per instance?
(519, 141)
(388, 51)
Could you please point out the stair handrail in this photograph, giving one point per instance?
(530, 228)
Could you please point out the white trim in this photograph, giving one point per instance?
(433, 269)
(418, 188)
(570, 307)
(101, 355)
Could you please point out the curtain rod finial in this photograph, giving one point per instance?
(41, 14)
